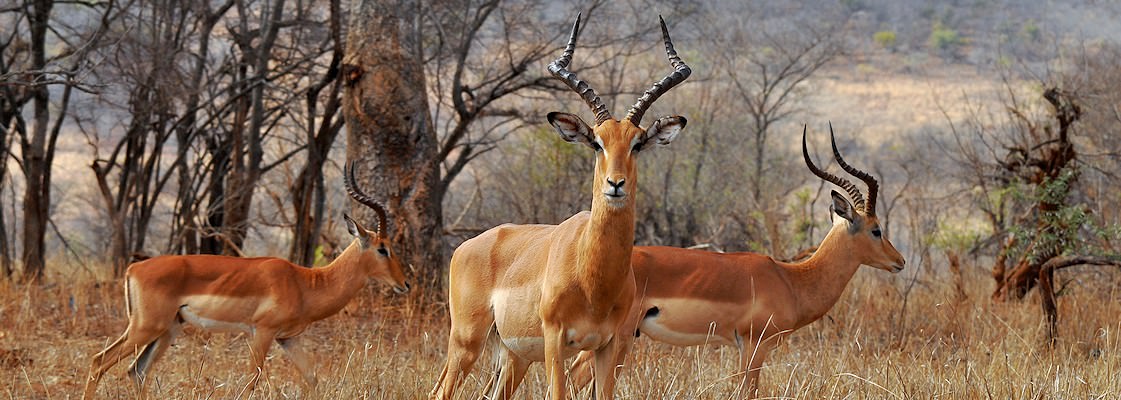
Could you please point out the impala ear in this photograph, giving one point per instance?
(841, 207)
(355, 229)
(663, 131)
(571, 128)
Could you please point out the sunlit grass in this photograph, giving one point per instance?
(387, 346)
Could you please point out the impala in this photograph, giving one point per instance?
(546, 292)
(750, 301)
(269, 298)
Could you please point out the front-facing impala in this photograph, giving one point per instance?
(269, 298)
(546, 292)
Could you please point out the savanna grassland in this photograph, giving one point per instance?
(946, 103)
(889, 337)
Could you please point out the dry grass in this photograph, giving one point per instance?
(869, 346)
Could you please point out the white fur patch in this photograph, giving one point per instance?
(192, 315)
(529, 348)
(651, 327)
(664, 130)
(213, 325)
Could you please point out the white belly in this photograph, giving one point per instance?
(527, 348)
(650, 327)
(220, 313)
(517, 321)
(213, 324)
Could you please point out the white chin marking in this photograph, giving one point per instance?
(615, 202)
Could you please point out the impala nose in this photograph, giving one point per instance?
(615, 188)
(402, 289)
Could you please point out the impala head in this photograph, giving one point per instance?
(858, 218)
(616, 142)
(373, 245)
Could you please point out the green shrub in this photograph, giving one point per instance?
(885, 39)
(944, 40)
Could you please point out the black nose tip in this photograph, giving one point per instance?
(616, 185)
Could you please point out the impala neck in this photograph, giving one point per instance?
(604, 248)
(820, 280)
(334, 285)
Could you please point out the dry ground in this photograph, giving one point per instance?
(878, 342)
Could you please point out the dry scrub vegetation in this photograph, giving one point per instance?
(888, 337)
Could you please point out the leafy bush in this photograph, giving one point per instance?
(944, 40)
(885, 39)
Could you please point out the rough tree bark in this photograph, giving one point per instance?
(389, 129)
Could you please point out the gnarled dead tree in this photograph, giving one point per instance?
(1047, 228)
(1042, 159)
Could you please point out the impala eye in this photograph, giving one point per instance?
(596, 146)
(383, 251)
(636, 148)
(876, 232)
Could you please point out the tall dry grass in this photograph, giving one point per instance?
(888, 337)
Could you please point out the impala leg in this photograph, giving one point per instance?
(99, 364)
(607, 362)
(295, 353)
(465, 343)
(751, 364)
(581, 371)
(152, 353)
(554, 362)
(511, 373)
(258, 349)
(127, 344)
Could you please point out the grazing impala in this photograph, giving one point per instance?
(269, 298)
(750, 301)
(546, 292)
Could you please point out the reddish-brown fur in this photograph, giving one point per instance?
(692, 297)
(271, 298)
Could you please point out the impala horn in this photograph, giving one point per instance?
(853, 191)
(679, 74)
(559, 69)
(873, 185)
(365, 199)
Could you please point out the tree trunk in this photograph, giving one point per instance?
(959, 279)
(8, 121)
(37, 194)
(308, 194)
(1047, 286)
(219, 149)
(390, 134)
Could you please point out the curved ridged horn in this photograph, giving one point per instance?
(873, 185)
(559, 69)
(352, 189)
(854, 193)
(679, 74)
